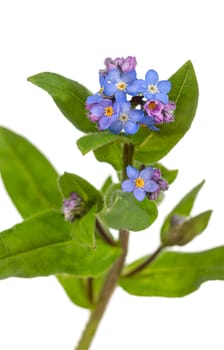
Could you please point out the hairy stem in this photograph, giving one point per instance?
(145, 263)
(105, 295)
(100, 229)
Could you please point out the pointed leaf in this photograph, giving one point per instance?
(76, 289)
(69, 96)
(183, 208)
(124, 211)
(107, 183)
(73, 183)
(175, 274)
(29, 178)
(96, 140)
(83, 230)
(184, 93)
(42, 246)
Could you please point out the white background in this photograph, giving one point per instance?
(73, 38)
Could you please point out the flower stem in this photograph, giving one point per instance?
(106, 293)
(105, 236)
(145, 263)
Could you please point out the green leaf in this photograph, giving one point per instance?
(111, 153)
(42, 246)
(83, 229)
(175, 274)
(96, 140)
(184, 93)
(29, 178)
(69, 96)
(107, 183)
(73, 183)
(185, 231)
(124, 211)
(76, 289)
(183, 208)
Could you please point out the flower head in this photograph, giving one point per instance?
(72, 207)
(160, 112)
(117, 83)
(128, 119)
(104, 113)
(151, 87)
(162, 184)
(123, 64)
(139, 182)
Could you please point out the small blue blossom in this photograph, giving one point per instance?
(139, 182)
(104, 113)
(128, 119)
(151, 87)
(117, 83)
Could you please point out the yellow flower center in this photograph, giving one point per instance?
(108, 111)
(153, 89)
(152, 105)
(121, 86)
(139, 182)
(100, 91)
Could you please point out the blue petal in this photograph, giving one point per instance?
(97, 110)
(150, 186)
(130, 127)
(139, 194)
(125, 107)
(113, 75)
(128, 186)
(128, 77)
(120, 96)
(151, 77)
(146, 173)
(161, 97)
(94, 99)
(164, 86)
(136, 87)
(136, 115)
(109, 89)
(132, 172)
(104, 123)
(116, 127)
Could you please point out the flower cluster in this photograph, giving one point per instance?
(72, 207)
(124, 103)
(147, 182)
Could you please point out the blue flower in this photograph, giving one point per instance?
(128, 119)
(151, 87)
(105, 113)
(117, 83)
(139, 182)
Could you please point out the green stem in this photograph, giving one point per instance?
(106, 293)
(114, 273)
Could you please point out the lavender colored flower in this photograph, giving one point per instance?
(117, 84)
(162, 184)
(123, 64)
(160, 112)
(128, 119)
(72, 207)
(104, 113)
(139, 182)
